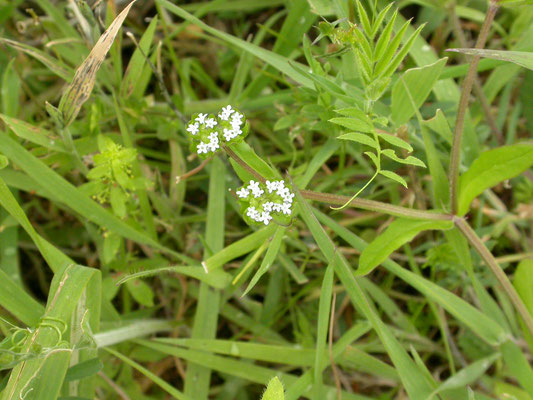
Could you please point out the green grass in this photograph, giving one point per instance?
(127, 270)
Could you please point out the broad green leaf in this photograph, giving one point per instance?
(356, 124)
(490, 168)
(248, 155)
(522, 58)
(84, 369)
(141, 292)
(518, 365)
(394, 176)
(17, 302)
(420, 82)
(440, 125)
(359, 138)
(274, 390)
(410, 160)
(398, 233)
(395, 141)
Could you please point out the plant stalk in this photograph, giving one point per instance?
(500, 275)
(463, 106)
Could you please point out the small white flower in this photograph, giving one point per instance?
(210, 123)
(193, 128)
(286, 208)
(228, 134)
(201, 118)
(268, 206)
(213, 145)
(213, 135)
(255, 189)
(288, 197)
(276, 207)
(265, 218)
(271, 186)
(236, 124)
(243, 193)
(202, 148)
(225, 113)
(237, 117)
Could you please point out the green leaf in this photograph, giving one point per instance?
(33, 133)
(84, 369)
(3, 161)
(410, 160)
(274, 390)
(394, 176)
(395, 141)
(141, 292)
(420, 82)
(365, 22)
(384, 39)
(490, 168)
(398, 58)
(359, 125)
(467, 375)
(270, 256)
(397, 234)
(359, 138)
(522, 58)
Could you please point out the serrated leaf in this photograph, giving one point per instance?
(522, 58)
(394, 176)
(359, 138)
(410, 160)
(490, 168)
(398, 233)
(420, 82)
(355, 124)
(395, 141)
(274, 390)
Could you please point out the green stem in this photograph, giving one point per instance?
(376, 206)
(500, 275)
(358, 193)
(67, 137)
(463, 106)
(363, 204)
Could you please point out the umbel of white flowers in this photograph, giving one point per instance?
(262, 201)
(207, 131)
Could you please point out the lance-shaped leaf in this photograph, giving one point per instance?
(82, 85)
(492, 167)
(522, 58)
(397, 234)
(274, 390)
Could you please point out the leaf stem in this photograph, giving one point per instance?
(243, 164)
(463, 106)
(498, 272)
(376, 206)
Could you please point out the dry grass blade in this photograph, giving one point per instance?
(82, 85)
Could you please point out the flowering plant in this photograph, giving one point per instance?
(263, 202)
(209, 132)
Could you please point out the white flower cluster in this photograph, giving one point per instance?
(273, 197)
(235, 120)
(206, 129)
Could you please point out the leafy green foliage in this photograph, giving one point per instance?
(123, 247)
